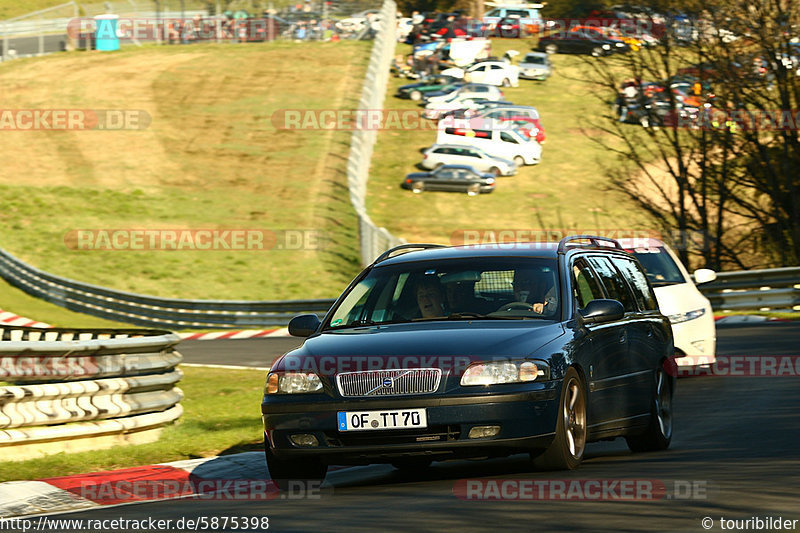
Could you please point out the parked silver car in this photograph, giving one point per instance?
(535, 66)
(453, 154)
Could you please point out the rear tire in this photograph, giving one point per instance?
(659, 433)
(417, 187)
(286, 473)
(551, 48)
(566, 450)
(416, 95)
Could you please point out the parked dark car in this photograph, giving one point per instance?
(451, 178)
(259, 30)
(509, 28)
(437, 352)
(581, 42)
(415, 91)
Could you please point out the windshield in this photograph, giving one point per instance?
(658, 264)
(534, 59)
(485, 289)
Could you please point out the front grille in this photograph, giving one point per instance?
(389, 382)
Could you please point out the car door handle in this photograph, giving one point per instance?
(622, 338)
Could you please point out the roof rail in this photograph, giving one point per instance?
(388, 253)
(593, 239)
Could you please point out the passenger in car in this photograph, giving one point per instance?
(429, 297)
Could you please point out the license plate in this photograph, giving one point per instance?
(388, 419)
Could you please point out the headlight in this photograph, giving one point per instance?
(505, 372)
(684, 317)
(606, 47)
(620, 44)
(292, 382)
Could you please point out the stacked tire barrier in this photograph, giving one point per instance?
(373, 240)
(72, 389)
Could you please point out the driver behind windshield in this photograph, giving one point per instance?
(536, 288)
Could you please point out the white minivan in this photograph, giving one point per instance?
(502, 141)
(678, 298)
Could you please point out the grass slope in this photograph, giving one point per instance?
(210, 159)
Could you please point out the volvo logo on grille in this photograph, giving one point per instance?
(388, 383)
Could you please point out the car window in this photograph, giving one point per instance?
(638, 283)
(496, 67)
(586, 286)
(470, 153)
(494, 13)
(507, 137)
(615, 286)
(445, 173)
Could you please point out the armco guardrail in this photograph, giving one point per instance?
(774, 288)
(148, 310)
(373, 240)
(72, 385)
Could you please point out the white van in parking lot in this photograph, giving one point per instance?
(501, 141)
(678, 298)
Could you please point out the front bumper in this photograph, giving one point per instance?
(527, 420)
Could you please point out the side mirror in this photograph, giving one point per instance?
(303, 325)
(598, 311)
(704, 275)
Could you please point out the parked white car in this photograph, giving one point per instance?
(497, 73)
(455, 154)
(494, 139)
(678, 298)
(434, 110)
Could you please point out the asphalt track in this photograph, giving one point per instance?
(735, 455)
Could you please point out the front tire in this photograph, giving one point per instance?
(473, 190)
(495, 171)
(519, 160)
(659, 433)
(551, 48)
(566, 450)
(416, 95)
(597, 51)
(285, 473)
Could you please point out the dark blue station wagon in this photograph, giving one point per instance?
(435, 352)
